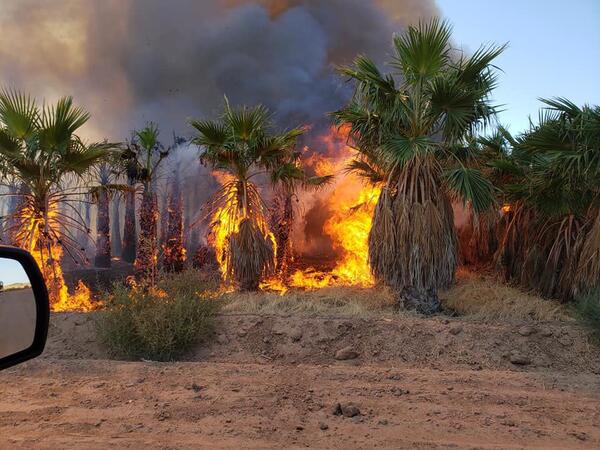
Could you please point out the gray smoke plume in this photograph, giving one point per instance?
(131, 61)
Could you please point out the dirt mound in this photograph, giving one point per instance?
(438, 343)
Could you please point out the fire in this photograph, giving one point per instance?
(348, 228)
(506, 208)
(226, 221)
(351, 204)
(35, 229)
(78, 301)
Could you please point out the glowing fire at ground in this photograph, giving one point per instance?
(48, 254)
(351, 204)
(348, 228)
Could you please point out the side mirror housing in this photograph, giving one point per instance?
(24, 307)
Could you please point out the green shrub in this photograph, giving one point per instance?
(161, 324)
(588, 310)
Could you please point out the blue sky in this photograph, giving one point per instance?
(11, 272)
(554, 49)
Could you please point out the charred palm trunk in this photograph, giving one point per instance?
(103, 248)
(14, 201)
(282, 223)
(164, 218)
(174, 250)
(147, 253)
(412, 242)
(129, 230)
(116, 243)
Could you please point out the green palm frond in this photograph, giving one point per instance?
(148, 136)
(423, 50)
(471, 187)
(19, 114)
(400, 149)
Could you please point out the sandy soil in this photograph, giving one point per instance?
(275, 382)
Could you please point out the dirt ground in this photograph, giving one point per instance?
(276, 382)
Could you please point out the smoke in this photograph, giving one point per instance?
(131, 61)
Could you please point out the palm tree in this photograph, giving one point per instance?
(41, 152)
(143, 158)
(103, 244)
(116, 241)
(292, 178)
(409, 132)
(130, 228)
(174, 252)
(552, 240)
(107, 173)
(242, 146)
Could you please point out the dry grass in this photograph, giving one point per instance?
(474, 296)
(338, 301)
(486, 298)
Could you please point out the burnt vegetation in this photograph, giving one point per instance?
(423, 139)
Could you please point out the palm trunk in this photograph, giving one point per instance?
(175, 253)
(116, 243)
(412, 242)
(164, 219)
(147, 252)
(282, 223)
(103, 249)
(129, 231)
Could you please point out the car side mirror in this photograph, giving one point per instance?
(24, 307)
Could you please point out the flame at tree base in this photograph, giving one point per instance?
(39, 235)
(350, 204)
(349, 228)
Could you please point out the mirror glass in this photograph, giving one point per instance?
(17, 308)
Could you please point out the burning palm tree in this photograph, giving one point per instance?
(143, 157)
(410, 137)
(241, 147)
(41, 153)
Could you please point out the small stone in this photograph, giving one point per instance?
(383, 422)
(565, 341)
(456, 329)
(296, 335)
(266, 340)
(242, 333)
(350, 410)
(519, 359)
(346, 353)
(222, 339)
(336, 410)
(580, 435)
(526, 330)
(323, 426)
(546, 332)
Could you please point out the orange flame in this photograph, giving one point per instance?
(226, 221)
(48, 261)
(351, 203)
(348, 228)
